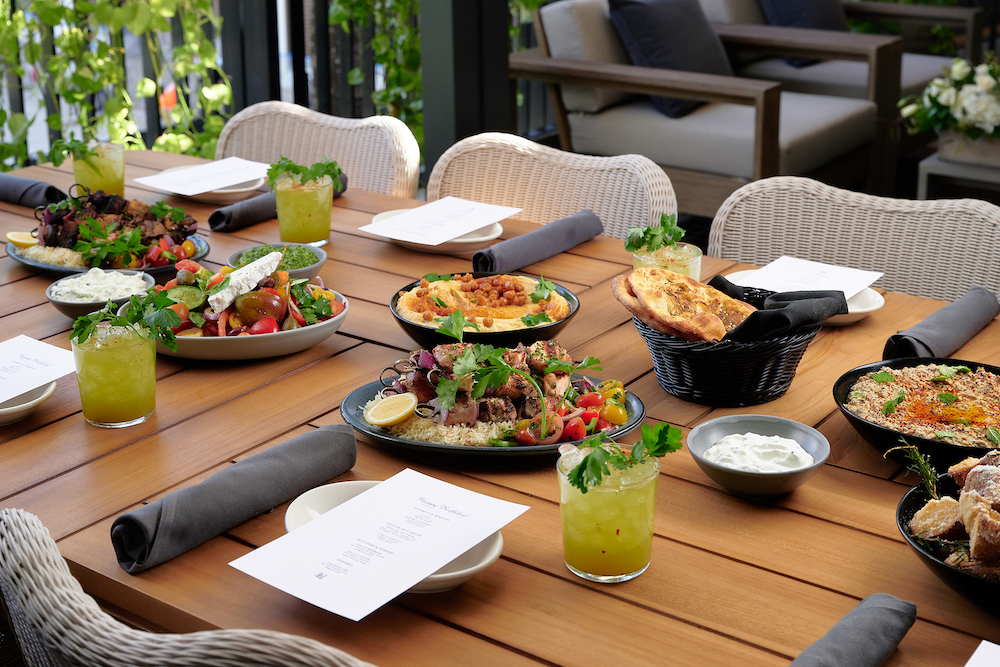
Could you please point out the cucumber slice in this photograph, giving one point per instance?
(191, 296)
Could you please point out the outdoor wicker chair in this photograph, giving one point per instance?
(379, 153)
(935, 249)
(58, 625)
(549, 184)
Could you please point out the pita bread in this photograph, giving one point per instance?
(678, 302)
(623, 292)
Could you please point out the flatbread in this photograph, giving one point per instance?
(623, 292)
(679, 302)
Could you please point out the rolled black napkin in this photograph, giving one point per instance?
(782, 311)
(946, 329)
(865, 637)
(28, 192)
(251, 211)
(544, 242)
(182, 520)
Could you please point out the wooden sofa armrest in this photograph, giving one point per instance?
(764, 96)
(971, 20)
(883, 53)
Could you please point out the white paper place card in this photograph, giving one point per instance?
(365, 552)
(439, 221)
(788, 274)
(206, 177)
(986, 655)
(26, 363)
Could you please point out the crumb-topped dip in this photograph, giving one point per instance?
(952, 404)
(98, 285)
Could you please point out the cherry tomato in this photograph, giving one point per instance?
(179, 252)
(163, 244)
(216, 279)
(264, 325)
(603, 424)
(210, 329)
(134, 261)
(154, 253)
(553, 424)
(188, 265)
(574, 430)
(563, 410)
(590, 400)
(189, 248)
(336, 308)
(590, 418)
(526, 437)
(614, 414)
(226, 269)
(181, 309)
(170, 284)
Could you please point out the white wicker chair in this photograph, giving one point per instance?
(936, 249)
(57, 624)
(549, 184)
(378, 153)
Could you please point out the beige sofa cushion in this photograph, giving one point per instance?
(582, 30)
(733, 11)
(845, 78)
(718, 138)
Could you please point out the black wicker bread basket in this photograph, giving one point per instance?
(726, 374)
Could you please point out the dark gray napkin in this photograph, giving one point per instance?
(182, 520)
(251, 211)
(546, 241)
(28, 192)
(865, 637)
(946, 329)
(782, 311)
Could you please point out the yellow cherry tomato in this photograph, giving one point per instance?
(226, 269)
(189, 247)
(614, 414)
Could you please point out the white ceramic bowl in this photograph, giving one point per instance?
(19, 407)
(859, 306)
(75, 309)
(742, 482)
(309, 272)
(322, 499)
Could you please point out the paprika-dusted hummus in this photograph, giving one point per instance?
(495, 303)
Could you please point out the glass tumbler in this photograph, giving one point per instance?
(116, 372)
(104, 171)
(683, 258)
(304, 209)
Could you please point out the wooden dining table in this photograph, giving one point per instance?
(732, 581)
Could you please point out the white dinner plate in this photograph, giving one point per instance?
(859, 306)
(322, 499)
(230, 195)
(468, 243)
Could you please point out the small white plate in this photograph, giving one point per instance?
(315, 502)
(230, 195)
(859, 306)
(468, 243)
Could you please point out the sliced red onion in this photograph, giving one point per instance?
(426, 360)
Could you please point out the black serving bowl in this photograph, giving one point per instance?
(427, 337)
(984, 592)
(941, 454)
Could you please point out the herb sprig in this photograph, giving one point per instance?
(543, 289)
(454, 325)
(78, 149)
(149, 309)
(312, 308)
(101, 246)
(325, 167)
(919, 464)
(656, 441)
(654, 238)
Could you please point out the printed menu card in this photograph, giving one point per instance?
(363, 553)
(788, 274)
(26, 363)
(206, 177)
(439, 221)
(986, 655)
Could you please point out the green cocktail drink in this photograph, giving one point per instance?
(103, 171)
(682, 258)
(304, 209)
(608, 531)
(116, 371)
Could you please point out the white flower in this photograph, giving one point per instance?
(947, 96)
(984, 79)
(960, 69)
(909, 110)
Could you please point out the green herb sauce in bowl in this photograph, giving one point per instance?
(300, 260)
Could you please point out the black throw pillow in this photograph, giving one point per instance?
(817, 14)
(670, 34)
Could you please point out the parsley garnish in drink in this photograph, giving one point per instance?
(150, 310)
(656, 441)
(325, 167)
(654, 238)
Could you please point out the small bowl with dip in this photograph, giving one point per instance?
(754, 457)
(83, 293)
(298, 255)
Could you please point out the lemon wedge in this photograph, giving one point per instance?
(22, 239)
(391, 411)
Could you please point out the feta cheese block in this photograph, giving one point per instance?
(244, 280)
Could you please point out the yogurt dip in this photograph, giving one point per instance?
(98, 285)
(759, 453)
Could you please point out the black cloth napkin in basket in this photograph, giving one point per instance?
(782, 312)
(946, 329)
(28, 192)
(186, 518)
(251, 211)
(865, 637)
(546, 241)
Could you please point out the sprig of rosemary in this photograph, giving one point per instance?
(656, 441)
(149, 309)
(325, 167)
(654, 238)
(919, 464)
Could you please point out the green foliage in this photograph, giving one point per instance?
(325, 167)
(87, 62)
(942, 38)
(654, 238)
